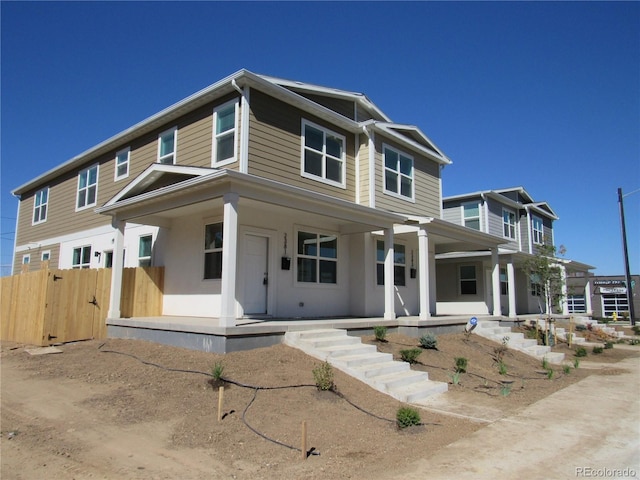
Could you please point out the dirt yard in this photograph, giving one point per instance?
(96, 410)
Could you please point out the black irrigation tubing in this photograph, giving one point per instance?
(256, 389)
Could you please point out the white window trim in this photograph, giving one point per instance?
(45, 204)
(535, 232)
(479, 216)
(88, 205)
(515, 224)
(45, 252)
(413, 175)
(323, 179)
(318, 232)
(81, 265)
(26, 259)
(150, 257)
(173, 130)
(127, 163)
(395, 264)
(234, 130)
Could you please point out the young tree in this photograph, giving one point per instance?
(544, 271)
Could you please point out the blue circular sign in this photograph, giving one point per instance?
(473, 321)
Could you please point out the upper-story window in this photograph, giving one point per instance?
(167, 143)
(87, 187)
(509, 224)
(40, 202)
(122, 164)
(471, 215)
(398, 173)
(323, 154)
(538, 230)
(225, 121)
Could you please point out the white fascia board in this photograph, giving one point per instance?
(412, 144)
(193, 101)
(153, 172)
(357, 97)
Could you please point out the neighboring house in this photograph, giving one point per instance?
(607, 295)
(465, 279)
(259, 197)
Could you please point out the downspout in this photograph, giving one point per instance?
(485, 207)
(529, 239)
(244, 126)
(15, 237)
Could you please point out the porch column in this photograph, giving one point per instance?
(587, 298)
(423, 272)
(495, 281)
(116, 268)
(511, 287)
(229, 260)
(389, 295)
(565, 300)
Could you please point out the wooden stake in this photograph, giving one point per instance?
(220, 402)
(304, 440)
(570, 331)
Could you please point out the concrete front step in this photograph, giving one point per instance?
(516, 341)
(365, 363)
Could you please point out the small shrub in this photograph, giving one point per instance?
(502, 368)
(323, 376)
(461, 364)
(216, 371)
(550, 374)
(580, 352)
(531, 333)
(634, 341)
(597, 350)
(407, 417)
(410, 355)
(380, 332)
(608, 345)
(636, 329)
(455, 378)
(576, 363)
(566, 369)
(545, 363)
(580, 328)
(429, 341)
(505, 390)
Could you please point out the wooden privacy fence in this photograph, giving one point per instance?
(54, 306)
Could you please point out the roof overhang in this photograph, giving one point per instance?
(201, 192)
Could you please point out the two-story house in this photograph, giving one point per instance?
(259, 197)
(465, 278)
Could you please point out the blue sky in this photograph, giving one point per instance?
(542, 95)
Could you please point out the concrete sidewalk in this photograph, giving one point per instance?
(590, 429)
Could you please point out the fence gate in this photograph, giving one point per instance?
(76, 304)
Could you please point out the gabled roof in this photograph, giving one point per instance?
(277, 88)
(412, 136)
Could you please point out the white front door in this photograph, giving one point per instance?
(256, 274)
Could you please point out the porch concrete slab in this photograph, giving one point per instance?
(589, 429)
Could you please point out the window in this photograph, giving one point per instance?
(122, 164)
(471, 215)
(323, 156)
(224, 133)
(317, 259)
(26, 259)
(538, 230)
(81, 257)
(144, 251)
(40, 202)
(504, 282)
(536, 289)
(576, 304)
(399, 264)
(45, 256)
(87, 187)
(509, 224)
(398, 173)
(213, 251)
(108, 259)
(167, 146)
(468, 280)
(615, 303)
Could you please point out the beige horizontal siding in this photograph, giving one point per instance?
(275, 146)
(426, 185)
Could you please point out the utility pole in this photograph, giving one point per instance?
(632, 313)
